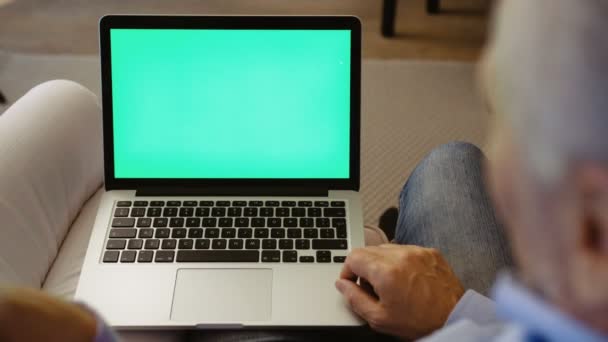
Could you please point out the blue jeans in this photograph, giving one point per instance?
(443, 205)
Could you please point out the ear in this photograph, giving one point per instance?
(593, 186)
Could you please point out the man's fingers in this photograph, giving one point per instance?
(360, 301)
(361, 262)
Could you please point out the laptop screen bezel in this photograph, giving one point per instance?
(231, 22)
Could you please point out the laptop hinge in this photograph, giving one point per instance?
(234, 191)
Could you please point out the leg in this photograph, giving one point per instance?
(389, 8)
(444, 205)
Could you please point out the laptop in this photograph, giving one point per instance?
(231, 149)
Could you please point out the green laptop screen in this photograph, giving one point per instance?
(210, 103)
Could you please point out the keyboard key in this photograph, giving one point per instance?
(157, 203)
(136, 244)
(154, 212)
(186, 212)
(210, 222)
(123, 222)
(218, 212)
(321, 204)
(111, 256)
(310, 233)
(261, 233)
(138, 212)
(195, 233)
(285, 244)
(269, 244)
(160, 222)
(290, 222)
(323, 256)
(123, 233)
(271, 256)
(146, 233)
(338, 204)
(272, 203)
(128, 256)
(329, 244)
(298, 212)
(258, 222)
(304, 203)
(190, 203)
(202, 212)
(327, 233)
(174, 203)
(314, 212)
(206, 203)
(322, 222)
(218, 244)
(170, 212)
(164, 256)
(218, 256)
(288, 203)
(250, 212)
(152, 244)
(222, 203)
(202, 244)
(193, 222)
(290, 256)
(256, 203)
(245, 233)
(334, 212)
(168, 244)
(234, 212)
(178, 233)
(225, 222)
(116, 244)
(241, 222)
(235, 244)
(239, 203)
(145, 256)
(212, 233)
(266, 212)
(294, 233)
(277, 233)
(274, 222)
(176, 222)
(162, 233)
(144, 222)
(185, 244)
(123, 203)
(229, 233)
(306, 222)
(307, 259)
(282, 212)
(252, 244)
(340, 259)
(338, 222)
(302, 244)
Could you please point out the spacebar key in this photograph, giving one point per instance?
(218, 256)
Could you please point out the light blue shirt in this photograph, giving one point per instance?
(516, 315)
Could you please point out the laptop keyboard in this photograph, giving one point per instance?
(227, 231)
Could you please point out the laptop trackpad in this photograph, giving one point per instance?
(222, 295)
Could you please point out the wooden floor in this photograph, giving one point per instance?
(70, 26)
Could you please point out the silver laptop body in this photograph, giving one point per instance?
(231, 151)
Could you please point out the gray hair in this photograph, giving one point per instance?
(549, 65)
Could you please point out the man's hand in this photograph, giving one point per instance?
(31, 315)
(406, 291)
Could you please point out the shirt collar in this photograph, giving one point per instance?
(540, 320)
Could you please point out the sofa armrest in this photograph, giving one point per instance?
(50, 164)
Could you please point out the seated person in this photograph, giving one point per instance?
(548, 175)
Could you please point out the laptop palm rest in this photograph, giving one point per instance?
(205, 296)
